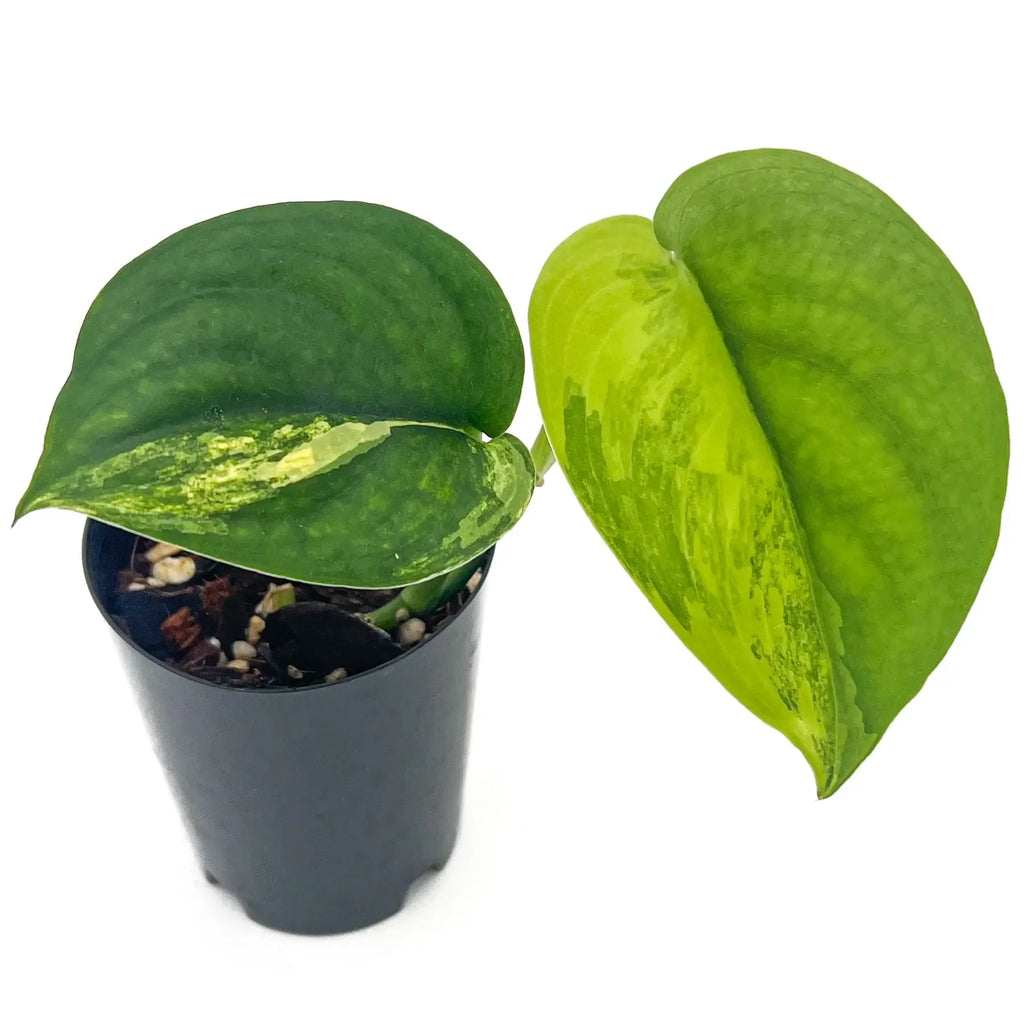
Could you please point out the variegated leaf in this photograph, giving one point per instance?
(778, 406)
(300, 389)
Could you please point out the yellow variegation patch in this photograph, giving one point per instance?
(655, 433)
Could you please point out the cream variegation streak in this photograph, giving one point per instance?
(651, 424)
(202, 476)
(209, 474)
(430, 498)
(334, 447)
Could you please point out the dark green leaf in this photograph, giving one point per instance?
(299, 389)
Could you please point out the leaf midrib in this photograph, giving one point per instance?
(832, 779)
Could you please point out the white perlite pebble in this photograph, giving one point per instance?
(174, 570)
(474, 581)
(136, 586)
(239, 664)
(243, 650)
(333, 677)
(295, 673)
(158, 552)
(411, 631)
(255, 630)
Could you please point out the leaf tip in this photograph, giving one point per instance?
(24, 506)
(827, 788)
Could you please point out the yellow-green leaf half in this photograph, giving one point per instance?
(778, 406)
(301, 389)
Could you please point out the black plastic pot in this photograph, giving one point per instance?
(317, 808)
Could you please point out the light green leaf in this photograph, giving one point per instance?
(785, 421)
(300, 389)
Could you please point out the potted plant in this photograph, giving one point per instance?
(775, 402)
(300, 390)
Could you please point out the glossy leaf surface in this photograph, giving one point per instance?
(778, 406)
(300, 389)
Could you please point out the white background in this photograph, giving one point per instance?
(635, 845)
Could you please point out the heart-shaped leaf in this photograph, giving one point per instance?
(299, 389)
(778, 406)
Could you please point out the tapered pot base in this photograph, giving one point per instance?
(316, 808)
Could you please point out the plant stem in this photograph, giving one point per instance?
(543, 456)
(420, 598)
